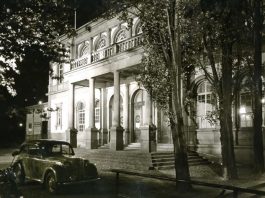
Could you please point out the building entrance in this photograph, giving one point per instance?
(138, 104)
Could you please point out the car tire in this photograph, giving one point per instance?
(19, 173)
(50, 183)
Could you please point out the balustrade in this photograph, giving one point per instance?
(107, 52)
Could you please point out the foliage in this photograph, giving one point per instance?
(219, 32)
(155, 73)
(210, 24)
(161, 65)
(29, 23)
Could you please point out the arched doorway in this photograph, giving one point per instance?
(137, 115)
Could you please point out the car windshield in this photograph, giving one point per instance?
(57, 149)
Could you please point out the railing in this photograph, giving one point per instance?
(107, 52)
(104, 53)
(59, 87)
(236, 190)
(129, 44)
(82, 61)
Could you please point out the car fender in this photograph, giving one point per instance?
(46, 171)
(59, 172)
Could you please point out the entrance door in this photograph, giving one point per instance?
(138, 104)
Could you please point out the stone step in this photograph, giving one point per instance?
(105, 146)
(166, 160)
(165, 167)
(133, 146)
(165, 147)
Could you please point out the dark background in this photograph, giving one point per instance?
(32, 82)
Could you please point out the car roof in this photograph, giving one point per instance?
(45, 141)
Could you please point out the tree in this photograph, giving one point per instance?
(29, 23)
(162, 69)
(219, 30)
(257, 82)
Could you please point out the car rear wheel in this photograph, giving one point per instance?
(19, 173)
(50, 183)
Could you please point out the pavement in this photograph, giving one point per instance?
(134, 186)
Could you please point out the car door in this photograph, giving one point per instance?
(35, 162)
(24, 159)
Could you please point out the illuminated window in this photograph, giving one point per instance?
(30, 126)
(205, 101)
(97, 112)
(245, 110)
(80, 112)
(58, 116)
(60, 73)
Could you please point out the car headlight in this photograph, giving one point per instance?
(59, 163)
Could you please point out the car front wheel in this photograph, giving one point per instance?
(50, 183)
(19, 173)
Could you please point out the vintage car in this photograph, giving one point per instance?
(52, 163)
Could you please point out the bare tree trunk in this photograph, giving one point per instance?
(257, 121)
(176, 120)
(180, 148)
(225, 95)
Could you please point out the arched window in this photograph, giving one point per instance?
(102, 42)
(120, 36)
(205, 104)
(138, 29)
(80, 116)
(84, 50)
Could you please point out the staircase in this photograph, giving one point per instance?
(105, 146)
(133, 146)
(165, 160)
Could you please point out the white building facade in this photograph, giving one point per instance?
(98, 97)
(98, 102)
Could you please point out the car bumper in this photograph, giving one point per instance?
(79, 182)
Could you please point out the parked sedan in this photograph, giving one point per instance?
(52, 163)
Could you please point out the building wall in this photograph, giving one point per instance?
(34, 120)
(100, 65)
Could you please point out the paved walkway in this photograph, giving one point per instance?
(211, 174)
(132, 186)
(6, 155)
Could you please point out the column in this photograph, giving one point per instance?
(148, 130)
(71, 131)
(109, 37)
(116, 141)
(103, 107)
(126, 116)
(49, 105)
(91, 131)
(91, 48)
(91, 45)
(73, 49)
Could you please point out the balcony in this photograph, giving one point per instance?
(106, 52)
(59, 87)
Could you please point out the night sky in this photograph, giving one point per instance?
(32, 83)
